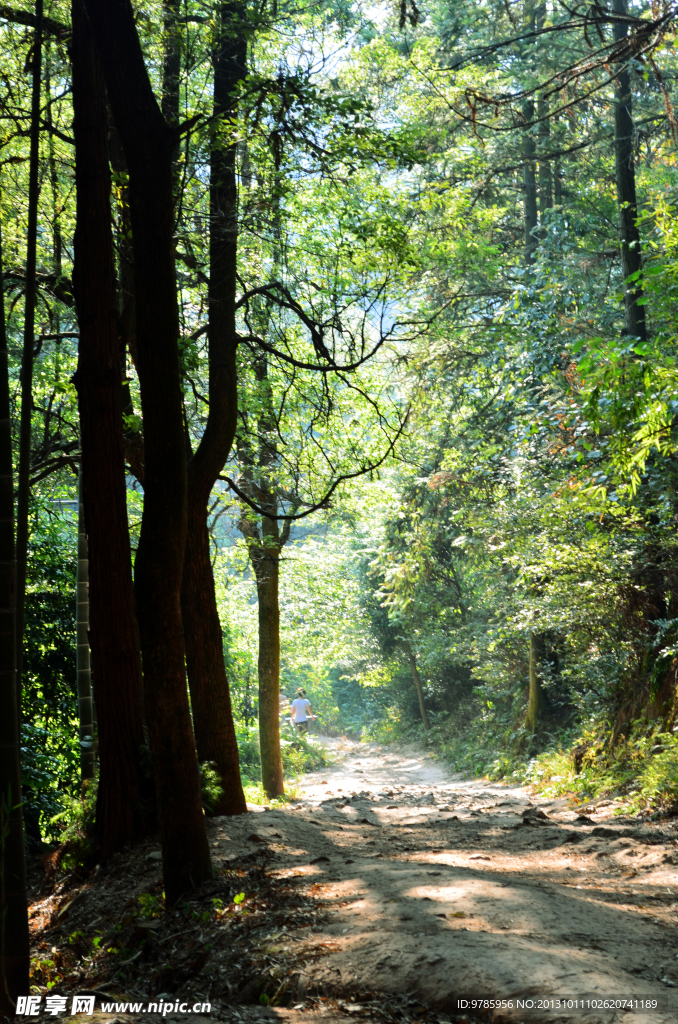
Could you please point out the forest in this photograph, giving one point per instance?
(337, 354)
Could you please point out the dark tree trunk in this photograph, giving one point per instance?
(416, 679)
(14, 942)
(264, 544)
(83, 671)
(268, 579)
(210, 697)
(629, 236)
(23, 489)
(113, 631)
(537, 701)
(557, 182)
(149, 143)
(132, 436)
(529, 184)
(545, 176)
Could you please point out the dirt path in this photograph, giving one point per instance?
(392, 892)
(448, 889)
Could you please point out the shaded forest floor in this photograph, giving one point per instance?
(388, 892)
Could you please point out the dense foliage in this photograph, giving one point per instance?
(490, 474)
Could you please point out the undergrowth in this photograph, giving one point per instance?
(299, 753)
(575, 762)
(642, 770)
(73, 827)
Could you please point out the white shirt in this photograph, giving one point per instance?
(299, 706)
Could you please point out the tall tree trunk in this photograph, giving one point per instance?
(24, 490)
(416, 679)
(543, 139)
(268, 580)
(264, 544)
(625, 171)
(149, 143)
(132, 436)
(82, 653)
(14, 941)
(545, 176)
(113, 629)
(557, 181)
(537, 700)
(529, 184)
(210, 697)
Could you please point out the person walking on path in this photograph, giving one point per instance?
(301, 711)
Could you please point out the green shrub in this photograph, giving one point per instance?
(658, 779)
(211, 789)
(50, 771)
(76, 826)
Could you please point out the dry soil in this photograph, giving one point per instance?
(463, 899)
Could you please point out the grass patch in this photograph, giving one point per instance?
(254, 794)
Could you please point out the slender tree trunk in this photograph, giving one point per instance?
(82, 653)
(529, 184)
(264, 544)
(149, 144)
(545, 176)
(24, 490)
(537, 701)
(558, 182)
(113, 634)
(171, 67)
(268, 577)
(416, 679)
(14, 941)
(210, 696)
(629, 236)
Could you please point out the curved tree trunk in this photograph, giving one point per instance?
(149, 145)
(113, 631)
(210, 697)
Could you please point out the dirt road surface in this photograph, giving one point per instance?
(391, 892)
(454, 890)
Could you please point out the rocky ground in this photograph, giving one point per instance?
(391, 891)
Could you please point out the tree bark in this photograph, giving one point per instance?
(149, 143)
(210, 697)
(24, 489)
(14, 940)
(268, 581)
(264, 544)
(529, 185)
(537, 701)
(416, 679)
(545, 176)
(113, 630)
(82, 653)
(625, 172)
